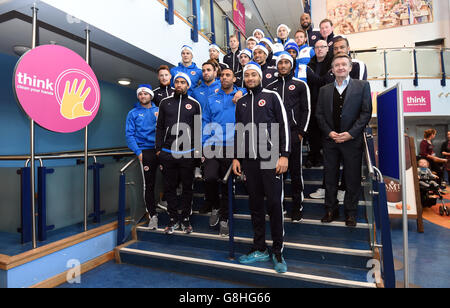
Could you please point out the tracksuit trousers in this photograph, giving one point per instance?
(295, 170)
(214, 170)
(150, 164)
(265, 183)
(176, 171)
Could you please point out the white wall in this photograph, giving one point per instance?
(396, 37)
(139, 22)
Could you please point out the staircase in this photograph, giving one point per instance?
(317, 255)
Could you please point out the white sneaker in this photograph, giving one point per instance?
(153, 224)
(198, 173)
(319, 194)
(341, 195)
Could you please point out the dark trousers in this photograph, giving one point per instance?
(214, 170)
(342, 182)
(265, 183)
(295, 170)
(350, 153)
(175, 171)
(150, 164)
(315, 142)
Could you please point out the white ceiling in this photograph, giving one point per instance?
(114, 58)
(111, 58)
(105, 66)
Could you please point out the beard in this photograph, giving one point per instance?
(306, 25)
(145, 103)
(179, 92)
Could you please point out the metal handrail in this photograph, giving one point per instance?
(400, 48)
(367, 155)
(227, 175)
(64, 156)
(124, 168)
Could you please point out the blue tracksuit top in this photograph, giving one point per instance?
(203, 92)
(140, 128)
(220, 111)
(192, 71)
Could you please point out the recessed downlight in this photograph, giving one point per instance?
(124, 81)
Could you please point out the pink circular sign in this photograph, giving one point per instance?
(57, 88)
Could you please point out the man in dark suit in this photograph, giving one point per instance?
(343, 111)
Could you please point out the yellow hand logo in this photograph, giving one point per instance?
(72, 105)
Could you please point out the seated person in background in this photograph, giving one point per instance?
(426, 177)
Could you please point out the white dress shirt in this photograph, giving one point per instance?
(344, 85)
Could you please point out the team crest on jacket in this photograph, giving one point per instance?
(188, 106)
(268, 76)
(193, 73)
(313, 37)
(292, 87)
(262, 103)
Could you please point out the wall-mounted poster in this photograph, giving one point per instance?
(353, 16)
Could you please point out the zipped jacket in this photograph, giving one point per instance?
(261, 106)
(176, 113)
(297, 102)
(140, 129)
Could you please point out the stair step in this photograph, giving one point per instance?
(337, 236)
(214, 263)
(312, 208)
(356, 258)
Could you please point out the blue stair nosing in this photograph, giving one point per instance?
(226, 268)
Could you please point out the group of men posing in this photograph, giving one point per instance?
(251, 113)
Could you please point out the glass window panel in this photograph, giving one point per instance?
(205, 16)
(219, 23)
(10, 200)
(447, 62)
(428, 63)
(400, 63)
(374, 62)
(183, 7)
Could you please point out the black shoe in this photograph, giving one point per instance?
(297, 215)
(350, 221)
(330, 216)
